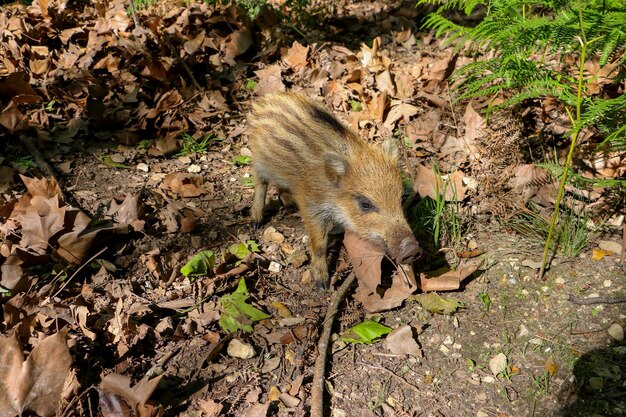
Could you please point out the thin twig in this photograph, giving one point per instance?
(180, 60)
(595, 300)
(65, 284)
(317, 390)
(393, 374)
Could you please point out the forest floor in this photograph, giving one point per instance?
(117, 110)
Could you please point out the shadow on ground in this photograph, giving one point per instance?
(599, 384)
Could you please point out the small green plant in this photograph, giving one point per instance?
(438, 219)
(485, 301)
(572, 233)
(242, 249)
(250, 84)
(247, 182)
(241, 160)
(25, 163)
(236, 314)
(137, 5)
(200, 264)
(381, 396)
(190, 145)
(355, 105)
(542, 383)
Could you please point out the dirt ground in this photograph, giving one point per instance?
(148, 320)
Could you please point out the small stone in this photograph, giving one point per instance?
(448, 340)
(616, 332)
(444, 349)
(497, 364)
(471, 245)
(143, 167)
(488, 379)
(481, 413)
(184, 160)
(272, 235)
(274, 267)
(337, 412)
(523, 331)
(194, 169)
(246, 152)
(607, 283)
(455, 322)
(610, 246)
(531, 264)
(559, 281)
(238, 349)
(481, 397)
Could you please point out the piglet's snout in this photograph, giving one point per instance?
(409, 249)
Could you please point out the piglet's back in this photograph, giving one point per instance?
(291, 134)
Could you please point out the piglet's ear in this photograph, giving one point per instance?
(336, 166)
(391, 148)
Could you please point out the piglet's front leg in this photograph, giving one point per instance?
(318, 244)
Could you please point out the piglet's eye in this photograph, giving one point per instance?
(366, 205)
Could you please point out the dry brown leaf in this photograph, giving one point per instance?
(270, 80)
(236, 44)
(43, 187)
(402, 111)
(12, 118)
(12, 275)
(405, 84)
(210, 408)
(401, 342)
(35, 384)
(257, 410)
(128, 212)
(445, 279)
(427, 183)
(296, 56)
(384, 83)
(369, 56)
(366, 261)
(41, 220)
(193, 45)
(184, 184)
(136, 396)
(421, 129)
(377, 106)
(474, 127)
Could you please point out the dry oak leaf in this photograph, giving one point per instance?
(35, 384)
(366, 261)
(427, 183)
(137, 396)
(270, 80)
(474, 127)
(445, 279)
(402, 111)
(236, 44)
(296, 56)
(184, 184)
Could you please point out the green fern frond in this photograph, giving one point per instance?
(602, 109)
